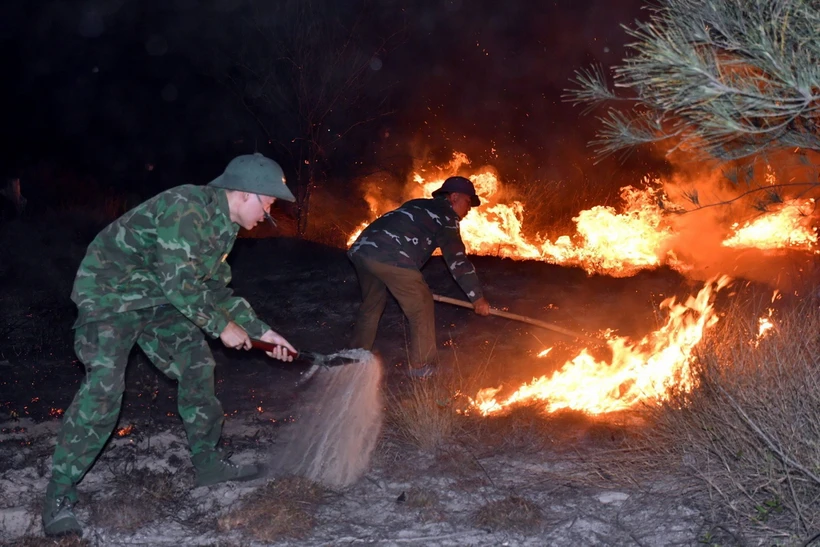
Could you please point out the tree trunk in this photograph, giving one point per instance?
(305, 189)
(14, 195)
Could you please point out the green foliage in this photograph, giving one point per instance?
(722, 78)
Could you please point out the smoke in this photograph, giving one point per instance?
(382, 192)
(714, 199)
(340, 424)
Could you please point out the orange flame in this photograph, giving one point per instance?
(640, 372)
(787, 227)
(765, 324)
(615, 242)
(607, 241)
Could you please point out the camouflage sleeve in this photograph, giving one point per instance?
(238, 308)
(198, 291)
(181, 272)
(455, 256)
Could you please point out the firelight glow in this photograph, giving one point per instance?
(615, 242)
(619, 243)
(637, 372)
(786, 227)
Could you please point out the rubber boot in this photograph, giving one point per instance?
(58, 514)
(216, 467)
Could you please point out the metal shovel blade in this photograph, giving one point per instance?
(333, 360)
(317, 360)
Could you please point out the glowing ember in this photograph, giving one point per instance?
(765, 325)
(640, 372)
(544, 353)
(125, 431)
(788, 227)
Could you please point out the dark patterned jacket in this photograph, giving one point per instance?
(406, 237)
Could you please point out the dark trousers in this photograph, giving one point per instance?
(414, 298)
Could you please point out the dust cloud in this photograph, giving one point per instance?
(340, 421)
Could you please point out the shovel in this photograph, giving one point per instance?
(317, 360)
(523, 319)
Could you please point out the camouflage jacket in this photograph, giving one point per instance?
(169, 250)
(407, 236)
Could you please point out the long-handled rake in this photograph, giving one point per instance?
(521, 318)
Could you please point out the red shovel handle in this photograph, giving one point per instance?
(269, 346)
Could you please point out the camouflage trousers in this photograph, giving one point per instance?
(414, 298)
(176, 347)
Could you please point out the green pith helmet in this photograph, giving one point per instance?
(256, 174)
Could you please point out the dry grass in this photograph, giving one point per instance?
(423, 414)
(524, 429)
(139, 497)
(281, 509)
(430, 413)
(551, 205)
(749, 434)
(745, 441)
(422, 498)
(512, 513)
(435, 413)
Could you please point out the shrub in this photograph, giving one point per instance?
(750, 433)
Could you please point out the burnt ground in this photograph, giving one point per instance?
(309, 293)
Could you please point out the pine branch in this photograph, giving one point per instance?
(727, 78)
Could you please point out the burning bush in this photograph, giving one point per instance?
(748, 434)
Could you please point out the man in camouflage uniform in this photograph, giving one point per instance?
(157, 277)
(389, 254)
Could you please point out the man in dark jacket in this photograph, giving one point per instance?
(389, 254)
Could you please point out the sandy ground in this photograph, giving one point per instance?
(405, 499)
(546, 484)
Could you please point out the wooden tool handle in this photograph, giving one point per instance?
(521, 318)
(269, 346)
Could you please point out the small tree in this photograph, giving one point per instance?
(306, 72)
(726, 79)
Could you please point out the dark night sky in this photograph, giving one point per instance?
(101, 88)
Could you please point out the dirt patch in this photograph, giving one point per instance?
(510, 513)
